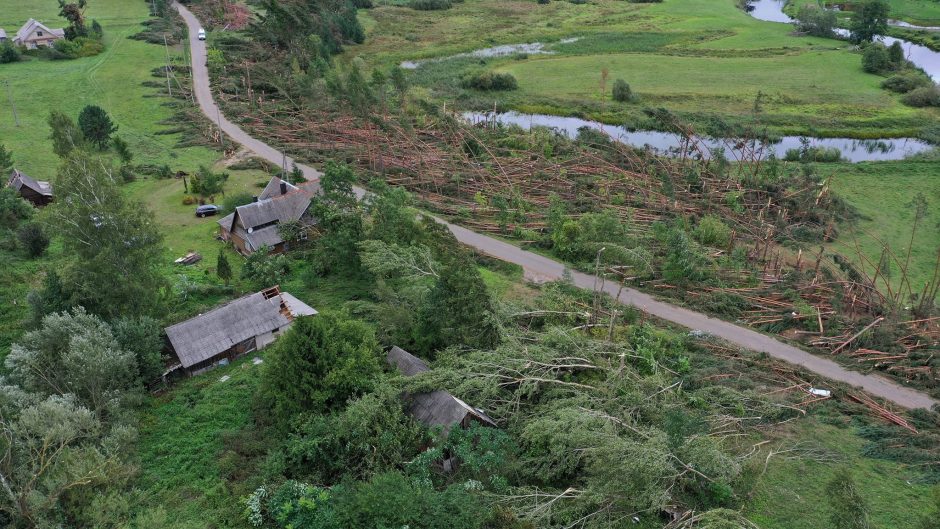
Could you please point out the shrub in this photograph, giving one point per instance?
(903, 83)
(813, 154)
(9, 53)
(490, 81)
(875, 59)
(622, 91)
(33, 239)
(188, 200)
(927, 96)
(237, 199)
(815, 21)
(543, 2)
(430, 5)
(711, 231)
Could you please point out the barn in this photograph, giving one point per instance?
(234, 329)
(37, 192)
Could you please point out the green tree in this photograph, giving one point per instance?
(13, 209)
(53, 450)
(849, 509)
(320, 363)
(96, 126)
(206, 182)
(896, 54)
(9, 53)
(340, 221)
(264, 269)
(112, 248)
(875, 59)
(50, 298)
(33, 239)
(684, 260)
(74, 12)
(122, 149)
(73, 353)
(222, 268)
(399, 80)
(6, 161)
(458, 310)
(142, 336)
(65, 136)
(869, 20)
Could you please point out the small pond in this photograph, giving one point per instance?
(852, 150)
(505, 50)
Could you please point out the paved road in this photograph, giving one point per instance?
(544, 268)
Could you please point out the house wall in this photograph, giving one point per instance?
(34, 40)
(36, 198)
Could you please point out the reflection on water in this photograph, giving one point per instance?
(852, 150)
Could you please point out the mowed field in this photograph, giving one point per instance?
(699, 58)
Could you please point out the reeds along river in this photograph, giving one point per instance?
(922, 56)
(663, 142)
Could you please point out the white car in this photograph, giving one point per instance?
(201, 35)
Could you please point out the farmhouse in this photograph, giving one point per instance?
(37, 192)
(239, 327)
(35, 34)
(255, 225)
(437, 408)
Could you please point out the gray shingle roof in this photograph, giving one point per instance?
(437, 408)
(18, 179)
(282, 208)
(226, 221)
(407, 363)
(207, 335)
(273, 188)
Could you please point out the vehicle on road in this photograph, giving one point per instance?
(207, 210)
(201, 35)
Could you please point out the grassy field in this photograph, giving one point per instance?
(113, 80)
(700, 58)
(882, 194)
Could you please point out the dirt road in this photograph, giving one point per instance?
(541, 267)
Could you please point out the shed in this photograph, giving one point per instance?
(36, 191)
(437, 408)
(236, 328)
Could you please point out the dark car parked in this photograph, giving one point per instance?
(207, 210)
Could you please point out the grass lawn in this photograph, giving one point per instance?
(793, 493)
(112, 80)
(882, 192)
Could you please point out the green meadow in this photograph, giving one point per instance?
(699, 58)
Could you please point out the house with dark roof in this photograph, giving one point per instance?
(255, 225)
(34, 34)
(437, 408)
(36, 191)
(247, 324)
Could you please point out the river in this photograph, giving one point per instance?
(853, 150)
(922, 56)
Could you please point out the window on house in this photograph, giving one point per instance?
(39, 33)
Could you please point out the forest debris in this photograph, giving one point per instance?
(881, 411)
(189, 259)
(859, 333)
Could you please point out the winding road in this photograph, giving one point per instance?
(540, 267)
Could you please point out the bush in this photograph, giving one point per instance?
(875, 59)
(815, 21)
(430, 5)
(711, 231)
(235, 200)
(903, 83)
(622, 92)
(927, 96)
(490, 81)
(74, 49)
(33, 239)
(9, 53)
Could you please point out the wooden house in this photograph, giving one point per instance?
(255, 225)
(35, 34)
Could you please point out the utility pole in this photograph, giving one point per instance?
(166, 51)
(16, 118)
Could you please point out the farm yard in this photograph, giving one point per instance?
(517, 401)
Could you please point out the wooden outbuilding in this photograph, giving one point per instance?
(437, 408)
(241, 326)
(35, 191)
